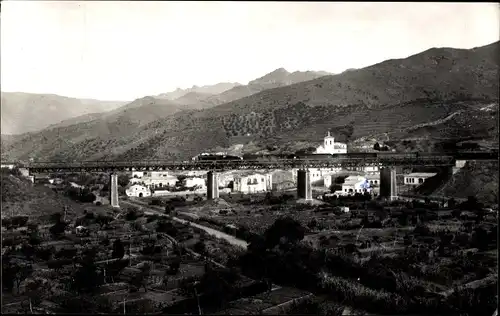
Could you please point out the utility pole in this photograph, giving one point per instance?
(197, 299)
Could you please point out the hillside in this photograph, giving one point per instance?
(479, 179)
(28, 112)
(388, 97)
(21, 197)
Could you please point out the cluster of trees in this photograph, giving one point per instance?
(15, 221)
(277, 255)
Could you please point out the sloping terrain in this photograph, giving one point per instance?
(28, 112)
(383, 98)
(477, 178)
(21, 197)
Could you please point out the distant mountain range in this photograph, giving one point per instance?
(209, 90)
(28, 112)
(393, 99)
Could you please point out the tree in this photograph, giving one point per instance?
(123, 180)
(21, 272)
(19, 221)
(118, 249)
(7, 223)
(174, 265)
(35, 290)
(57, 229)
(284, 227)
(140, 279)
(312, 223)
(103, 220)
(452, 203)
(200, 247)
(166, 227)
(56, 217)
(86, 279)
(66, 253)
(28, 251)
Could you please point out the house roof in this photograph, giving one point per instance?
(354, 179)
(251, 173)
(421, 174)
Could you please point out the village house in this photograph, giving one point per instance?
(373, 179)
(155, 181)
(192, 182)
(417, 178)
(317, 175)
(355, 184)
(253, 182)
(331, 147)
(137, 190)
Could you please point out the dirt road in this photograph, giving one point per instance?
(151, 210)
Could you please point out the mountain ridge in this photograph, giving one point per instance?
(379, 98)
(29, 112)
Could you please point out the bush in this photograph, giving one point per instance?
(19, 221)
(422, 230)
(157, 202)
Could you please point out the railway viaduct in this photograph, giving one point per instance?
(387, 165)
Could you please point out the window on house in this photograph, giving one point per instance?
(420, 180)
(255, 181)
(262, 180)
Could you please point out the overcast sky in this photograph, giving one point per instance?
(120, 50)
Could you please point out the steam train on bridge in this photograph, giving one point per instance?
(459, 155)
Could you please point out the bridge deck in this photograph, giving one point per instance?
(236, 165)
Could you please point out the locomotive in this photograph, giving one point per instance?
(216, 156)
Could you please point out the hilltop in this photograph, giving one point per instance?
(386, 98)
(28, 112)
(277, 78)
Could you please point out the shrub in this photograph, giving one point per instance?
(422, 230)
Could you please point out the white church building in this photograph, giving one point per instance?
(331, 147)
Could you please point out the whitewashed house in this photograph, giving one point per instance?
(137, 190)
(192, 182)
(253, 182)
(355, 184)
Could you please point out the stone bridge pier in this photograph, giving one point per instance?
(388, 184)
(113, 190)
(212, 185)
(304, 186)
